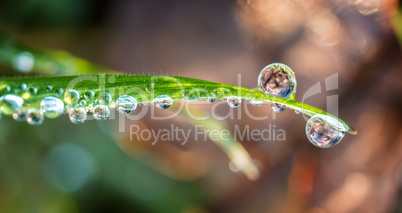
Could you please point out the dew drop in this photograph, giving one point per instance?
(59, 92)
(49, 88)
(324, 131)
(277, 79)
(52, 107)
(77, 115)
(35, 117)
(126, 104)
(10, 103)
(71, 96)
(89, 94)
(297, 111)
(210, 100)
(83, 103)
(234, 101)
(256, 102)
(163, 101)
(32, 90)
(192, 96)
(101, 112)
(278, 108)
(105, 98)
(20, 115)
(21, 88)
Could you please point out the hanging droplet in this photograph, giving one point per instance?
(32, 90)
(210, 100)
(256, 102)
(278, 80)
(163, 101)
(101, 112)
(324, 131)
(71, 96)
(278, 108)
(77, 115)
(20, 115)
(234, 101)
(10, 103)
(126, 104)
(59, 92)
(105, 98)
(52, 107)
(297, 111)
(89, 94)
(35, 117)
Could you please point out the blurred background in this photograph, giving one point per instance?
(62, 167)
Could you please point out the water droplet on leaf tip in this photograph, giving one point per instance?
(324, 131)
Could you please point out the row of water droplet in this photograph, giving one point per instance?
(275, 79)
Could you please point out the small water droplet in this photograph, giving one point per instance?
(71, 96)
(256, 102)
(163, 101)
(234, 101)
(126, 104)
(148, 89)
(23, 62)
(192, 95)
(52, 107)
(89, 94)
(11, 103)
(59, 92)
(32, 90)
(324, 131)
(20, 115)
(278, 80)
(7, 89)
(49, 88)
(297, 111)
(105, 98)
(210, 100)
(21, 88)
(83, 103)
(77, 115)
(101, 112)
(278, 108)
(35, 117)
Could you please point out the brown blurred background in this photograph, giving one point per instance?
(216, 41)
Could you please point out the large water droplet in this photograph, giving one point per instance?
(234, 101)
(126, 104)
(105, 98)
(52, 107)
(324, 131)
(101, 112)
(35, 117)
(71, 96)
(278, 80)
(278, 108)
(77, 115)
(163, 101)
(10, 103)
